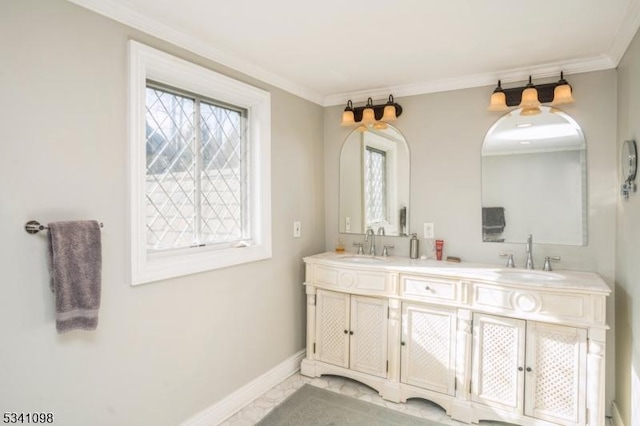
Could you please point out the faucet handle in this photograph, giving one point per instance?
(360, 249)
(547, 262)
(385, 250)
(510, 262)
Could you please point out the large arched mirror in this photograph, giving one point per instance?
(534, 179)
(374, 182)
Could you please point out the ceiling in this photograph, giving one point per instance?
(333, 50)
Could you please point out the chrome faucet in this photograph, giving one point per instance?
(372, 245)
(381, 231)
(529, 252)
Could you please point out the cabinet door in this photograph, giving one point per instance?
(369, 317)
(428, 348)
(556, 359)
(332, 328)
(498, 361)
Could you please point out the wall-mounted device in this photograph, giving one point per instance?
(629, 167)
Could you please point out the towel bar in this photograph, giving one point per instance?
(33, 227)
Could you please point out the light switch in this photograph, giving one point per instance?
(297, 229)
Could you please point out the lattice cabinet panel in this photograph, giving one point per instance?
(428, 347)
(369, 339)
(332, 325)
(498, 356)
(555, 381)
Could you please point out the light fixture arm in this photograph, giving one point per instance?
(378, 110)
(530, 97)
(545, 91)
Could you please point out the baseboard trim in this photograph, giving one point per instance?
(615, 414)
(222, 410)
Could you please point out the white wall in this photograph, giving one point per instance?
(445, 132)
(628, 249)
(162, 351)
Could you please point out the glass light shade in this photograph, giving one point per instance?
(498, 102)
(361, 128)
(562, 95)
(368, 116)
(530, 111)
(348, 119)
(389, 113)
(529, 98)
(379, 125)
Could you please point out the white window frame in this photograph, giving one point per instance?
(146, 63)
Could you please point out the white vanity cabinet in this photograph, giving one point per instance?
(484, 343)
(530, 368)
(428, 347)
(351, 331)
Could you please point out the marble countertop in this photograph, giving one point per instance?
(557, 279)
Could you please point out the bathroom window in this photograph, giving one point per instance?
(196, 163)
(375, 185)
(200, 156)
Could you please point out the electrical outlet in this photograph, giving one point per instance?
(297, 229)
(429, 231)
(347, 224)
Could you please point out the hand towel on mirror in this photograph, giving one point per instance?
(75, 261)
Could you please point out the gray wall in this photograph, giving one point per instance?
(162, 351)
(628, 249)
(445, 132)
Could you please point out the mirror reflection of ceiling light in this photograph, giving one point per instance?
(524, 125)
(525, 142)
(532, 133)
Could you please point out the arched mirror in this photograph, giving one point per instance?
(534, 179)
(374, 182)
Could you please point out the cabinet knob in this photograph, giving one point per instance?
(520, 369)
(346, 332)
(402, 343)
(427, 288)
(351, 333)
(528, 369)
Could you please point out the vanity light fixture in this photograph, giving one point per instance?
(347, 115)
(562, 92)
(371, 115)
(528, 111)
(498, 99)
(531, 96)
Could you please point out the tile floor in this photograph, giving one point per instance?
(259, 408)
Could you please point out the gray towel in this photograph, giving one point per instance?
(493, 220)
(75, 261)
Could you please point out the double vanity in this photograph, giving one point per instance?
(483, 342)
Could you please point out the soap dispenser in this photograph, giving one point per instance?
(413, 246)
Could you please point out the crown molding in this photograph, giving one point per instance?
(626, 32)
(136, 20)
(549, 70)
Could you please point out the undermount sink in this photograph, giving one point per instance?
(362, 259)
(529, 275)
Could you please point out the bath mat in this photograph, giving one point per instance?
(311, 406)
